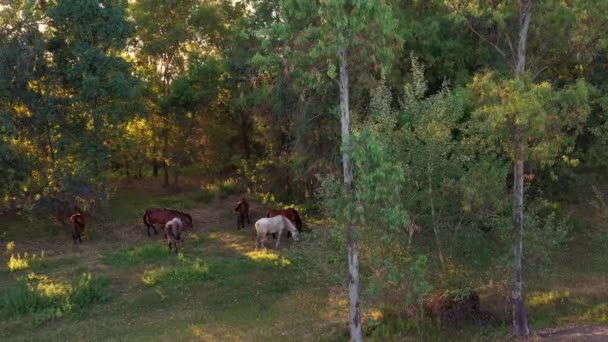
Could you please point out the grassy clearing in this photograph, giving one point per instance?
(218, 288)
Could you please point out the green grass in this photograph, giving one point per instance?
(132, 256)
(179, 276)
(41, 298)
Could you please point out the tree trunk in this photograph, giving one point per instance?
(435, 228)
(354, 319)
(518, 302)
(165, 156)
(155, 168)
(520, 318)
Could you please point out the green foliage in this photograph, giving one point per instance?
(44, 299)
(552, 118)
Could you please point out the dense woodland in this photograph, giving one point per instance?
(440, 133)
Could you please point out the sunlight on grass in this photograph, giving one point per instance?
(182, 275)
(265, 257)
(44, 298)
(536, 299)
(10, 247)
(18, 262)
(598, 313)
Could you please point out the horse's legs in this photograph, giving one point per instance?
(263, 242)
(155, 232)
(279, 238)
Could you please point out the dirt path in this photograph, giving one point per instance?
(573, 333)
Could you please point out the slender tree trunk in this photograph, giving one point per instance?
(435, 228)
(520, 318)
(50, 142)
(518, 298)
(354, 319)
(165, 156)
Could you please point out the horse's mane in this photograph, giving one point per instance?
(288, 223)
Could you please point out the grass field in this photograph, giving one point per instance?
(121, 285)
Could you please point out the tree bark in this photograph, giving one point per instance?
(354, 317)
(435, 228)
(165, 156)
(518, 302)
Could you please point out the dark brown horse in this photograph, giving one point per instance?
(161, 216)
(77, 221)
(291, 214)
(243, 208)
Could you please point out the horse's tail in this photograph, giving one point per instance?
(170, 232)
(268, 214)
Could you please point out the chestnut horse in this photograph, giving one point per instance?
(77, 221)
(243, 208)
(162, 216)
(291, 214)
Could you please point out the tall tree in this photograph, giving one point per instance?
(356, 35)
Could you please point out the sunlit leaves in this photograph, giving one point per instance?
(551, 118)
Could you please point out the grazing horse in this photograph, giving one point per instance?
(273, 225)
(77, 221)
(173, 232)
(243, 208)
(162, 216)
(291, 214)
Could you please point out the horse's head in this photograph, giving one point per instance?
(188, 221)
(295, 235)
(298, 222)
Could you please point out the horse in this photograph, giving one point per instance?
(162, 216)
(243, 208)
(291, 214)
(173, 232)
(273, 225)
(77, 221)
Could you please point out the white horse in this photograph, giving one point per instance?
(272, 225)
(173, 232)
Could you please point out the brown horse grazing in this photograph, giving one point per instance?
(291, 214)
(77, 221)
(243, 208)
(173, 233)
(162, 216)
